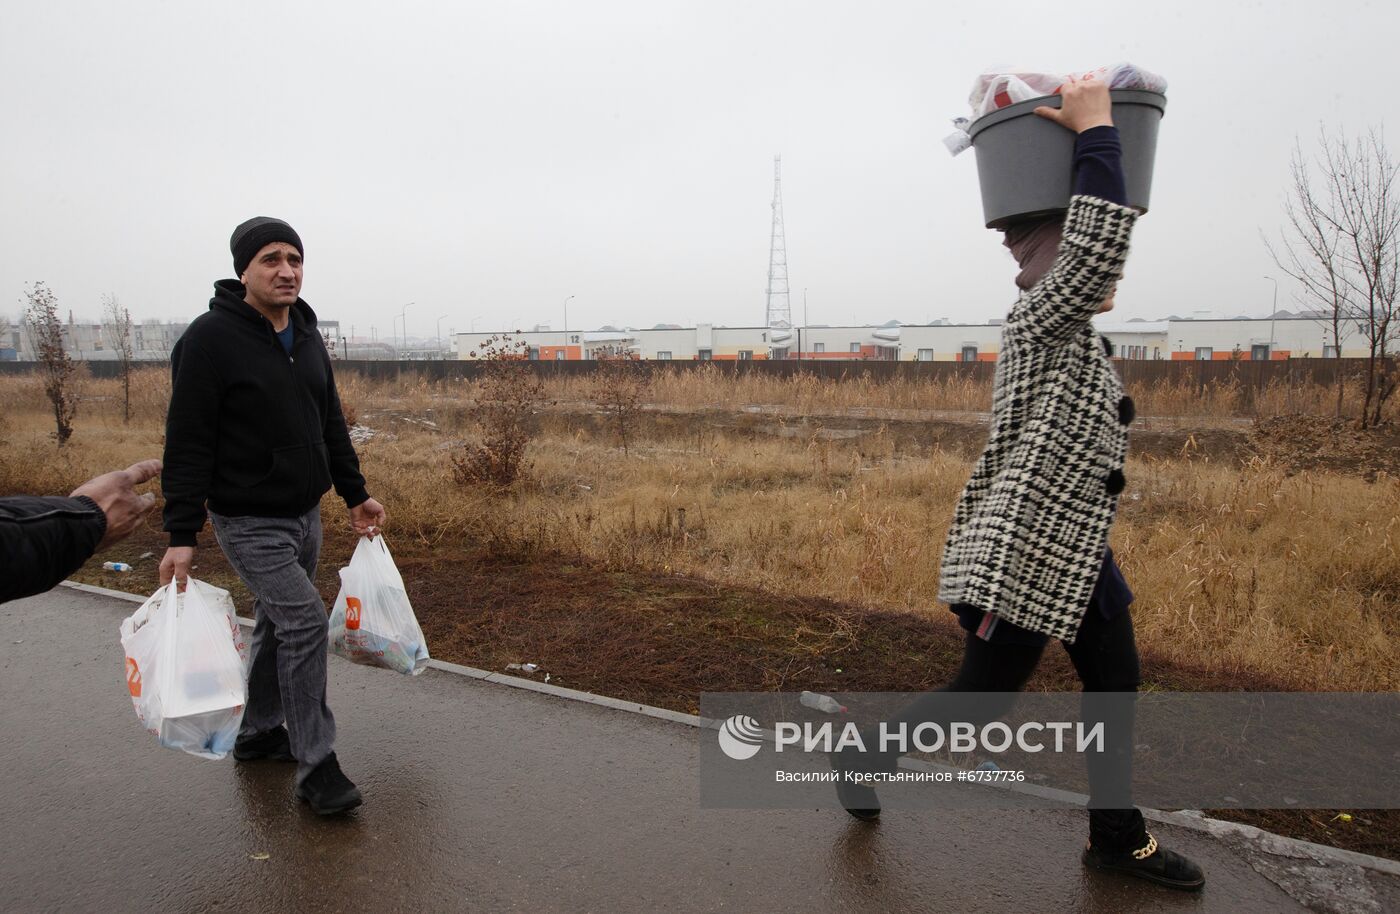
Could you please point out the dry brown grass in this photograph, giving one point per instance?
(1235, 568)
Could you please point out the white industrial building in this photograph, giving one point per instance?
(1198, 338)
(92, 341)
(151, 340)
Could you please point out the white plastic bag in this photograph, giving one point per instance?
(184, 670)
(1004, 86)
(999, 87)
(372, 622)
(220, 599)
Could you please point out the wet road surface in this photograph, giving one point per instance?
(480, 797)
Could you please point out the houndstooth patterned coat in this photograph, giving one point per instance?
(1029, 531)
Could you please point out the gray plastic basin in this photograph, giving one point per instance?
(1025, 162)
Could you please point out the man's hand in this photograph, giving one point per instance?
(115, 493)
(1086, 104)
(176, 565)
(367, 517)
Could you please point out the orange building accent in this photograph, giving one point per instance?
(551, 353)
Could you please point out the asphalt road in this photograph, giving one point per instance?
(480, 797)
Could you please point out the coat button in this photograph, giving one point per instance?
(1126, 411)
(1115, 482)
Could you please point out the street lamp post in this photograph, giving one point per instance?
(804, 324)
(1271, 316)
(566, 326)
(403, 316)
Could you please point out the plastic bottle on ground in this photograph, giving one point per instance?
(824, 703)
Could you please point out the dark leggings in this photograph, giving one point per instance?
(1105, 656)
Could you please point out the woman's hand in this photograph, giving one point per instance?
(1086, 104)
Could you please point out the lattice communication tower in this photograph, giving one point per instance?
(779, 307)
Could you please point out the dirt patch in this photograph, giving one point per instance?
(1315, 442)
(1366, 831)
(908, 432)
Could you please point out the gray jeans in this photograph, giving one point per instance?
(276, 559)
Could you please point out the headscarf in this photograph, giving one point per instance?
(1034, 245)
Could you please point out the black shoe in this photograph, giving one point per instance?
(271, 744)
(328, 790)
(856, 798)
(1153, 863)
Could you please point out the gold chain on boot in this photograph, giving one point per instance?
(1148, 851)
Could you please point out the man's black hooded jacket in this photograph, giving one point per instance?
(252, 431)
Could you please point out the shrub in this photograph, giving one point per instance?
(508, 394)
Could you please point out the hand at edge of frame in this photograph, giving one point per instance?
(115, 493)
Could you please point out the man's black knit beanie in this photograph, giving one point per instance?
(256, 234)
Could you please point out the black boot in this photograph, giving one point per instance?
(1153, 863)
(856, 798)
(271, 744)
(328, 790)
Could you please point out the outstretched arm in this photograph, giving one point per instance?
(1094, 242)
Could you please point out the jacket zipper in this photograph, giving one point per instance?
(292, 376)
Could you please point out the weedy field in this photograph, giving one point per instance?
(1245, 554)
(758, 533)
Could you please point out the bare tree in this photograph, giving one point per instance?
(116, 324)
(1341, 243)
(46, 339)
(619, 387)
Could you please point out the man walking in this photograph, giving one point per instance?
(255, 433)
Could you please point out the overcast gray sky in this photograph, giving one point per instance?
(486, 160)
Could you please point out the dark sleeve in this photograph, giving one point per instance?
(191, 434)
(1098, 165)
(43, 539)
(344, 465)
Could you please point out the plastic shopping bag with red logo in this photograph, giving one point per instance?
(372, 622)
(186, 668)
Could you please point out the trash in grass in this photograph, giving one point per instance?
(523, 667)
(824, 703)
